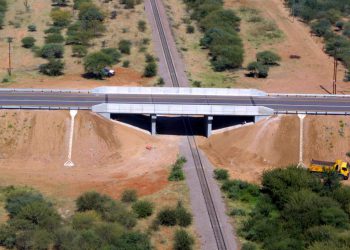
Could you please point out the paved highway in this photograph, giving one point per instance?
(83, 100)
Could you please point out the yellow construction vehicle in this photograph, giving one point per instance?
(341, 167)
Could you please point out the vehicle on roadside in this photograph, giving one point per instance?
(339, 166)
(108, 72)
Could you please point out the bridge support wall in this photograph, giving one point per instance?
(106, 115)
(260, 117)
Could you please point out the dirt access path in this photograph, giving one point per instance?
(314, 69)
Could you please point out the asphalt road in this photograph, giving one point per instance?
(278, 103)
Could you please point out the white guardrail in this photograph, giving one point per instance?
(14, 90)
(290, 112)
(309, 95)
(44, 107)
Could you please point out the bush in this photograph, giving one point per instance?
(177, 173)
(94, 64)
(182, 240)
(150, 69)
(53, 68)
(129, 195)
(124, 46)
(149, 58)
(189, 29)
(79, 50)
(257, 69)
(183, 217)
(160, 82)
(221, 174)
(321, 27)
(7, 236)
(85, 220)
(51, 50)
(249, 246)
(113, 53)
(31, 28)
(143, 209)
(92, 201)
(28, 42)
(18, 198)
(61, 18)
(52, 30)
(126, 64)
(54, 38)
(141, 25)
(268, 58)
(167, 217)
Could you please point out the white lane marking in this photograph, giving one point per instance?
(69, 162)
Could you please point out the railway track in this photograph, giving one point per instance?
(214, 220)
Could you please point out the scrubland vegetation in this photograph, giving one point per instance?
(328, 19)
(220, 27)
(292, 209)
(99, 222)
(3, 8)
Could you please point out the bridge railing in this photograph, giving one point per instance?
(44, 107)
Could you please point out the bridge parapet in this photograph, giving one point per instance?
(178, 91)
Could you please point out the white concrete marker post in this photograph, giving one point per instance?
(69, 162)
(301, 138)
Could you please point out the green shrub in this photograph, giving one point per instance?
(113, 53)
(321, 233)
(177, 173)
(167, 217)
(54, 38)
(52, 30)
(124, 46)
(149, 58)
(129, 195)
(18, 198)
(183, 217)
(42, 239)
(94, 64)
(182, 240)
(126, 64)
(268, 58)
(85, 220)
(31, 28)
(28, 42)
(237, 212)
(143, 209)
(79, 50)
(221, 174)
(141, 25)
(150, 69)
(189, 29)
(249, 246)
(61, 18)
(52, 50)
(92, 201)
(53, 68)
(7, 236)
(257, 69)
(160, 82)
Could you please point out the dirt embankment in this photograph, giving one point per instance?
(246, 152)
(109, 157)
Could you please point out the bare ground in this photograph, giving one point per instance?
(109, 157)
(247, 151)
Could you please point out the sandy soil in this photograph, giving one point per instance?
(315, 68)
(109, 157)
(25, 64)
(247, 151)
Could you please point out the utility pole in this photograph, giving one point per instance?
(335, 70)
(9, 41)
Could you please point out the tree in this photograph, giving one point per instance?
(95, 63)
(113, 53)
(54, 38)
(91, 18)
(268, 58)
(143, 209)
(28, 42)
(53, 68)
(183, 217)
(79, 50)
(61, 18)
(51, 50)
(182, 240)
(150, 69)
(321, 27)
